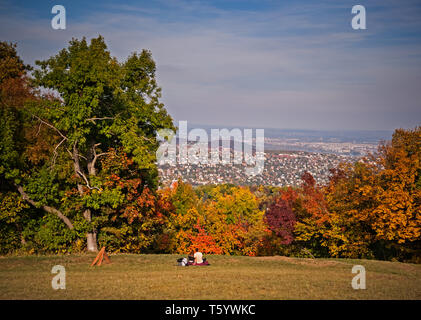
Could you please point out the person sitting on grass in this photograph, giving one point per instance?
(198, 257)
(191, 257)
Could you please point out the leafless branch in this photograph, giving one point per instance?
(55, 129)
(55, 152)
(51, 126)
(91, 166)
(86, 181)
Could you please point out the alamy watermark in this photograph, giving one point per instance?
(59, 280)
(358, 282)
(59, 20)
(222, 146)
(359, 20)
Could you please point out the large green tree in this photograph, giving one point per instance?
(88, 104)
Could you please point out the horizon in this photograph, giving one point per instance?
(214, 125)
(369, 136)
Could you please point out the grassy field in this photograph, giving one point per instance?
(229, 277)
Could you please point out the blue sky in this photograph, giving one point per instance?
(274, 64)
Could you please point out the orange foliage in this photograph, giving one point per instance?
(204, 242)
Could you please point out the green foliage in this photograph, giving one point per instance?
(9, 152)
(53, 236)
(115, 104)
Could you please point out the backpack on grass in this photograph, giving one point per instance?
(182, 262)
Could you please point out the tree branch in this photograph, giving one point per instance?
(103, 118)
(86, 180)
(57, 130)
(55, 151)
(91, 165)
(48, 209)
(50, 125)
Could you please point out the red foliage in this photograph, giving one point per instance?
(281, 220)
(314, 199)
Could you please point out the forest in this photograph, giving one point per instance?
(78, 171)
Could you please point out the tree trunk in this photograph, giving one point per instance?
(91, 242)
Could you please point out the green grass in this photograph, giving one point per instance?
(229, 277)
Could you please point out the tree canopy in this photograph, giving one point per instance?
(88, 107)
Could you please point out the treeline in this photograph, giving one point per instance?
(77, 170)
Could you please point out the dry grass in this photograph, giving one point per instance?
(158, 277)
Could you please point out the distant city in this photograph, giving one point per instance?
(340, 148)
(288, 154)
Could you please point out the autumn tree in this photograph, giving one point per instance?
(375, 203)
(349, 231)
(311, 213)
(281, 219)
(233, 217)
(182, 210)
(398, 213)
(95, 104)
